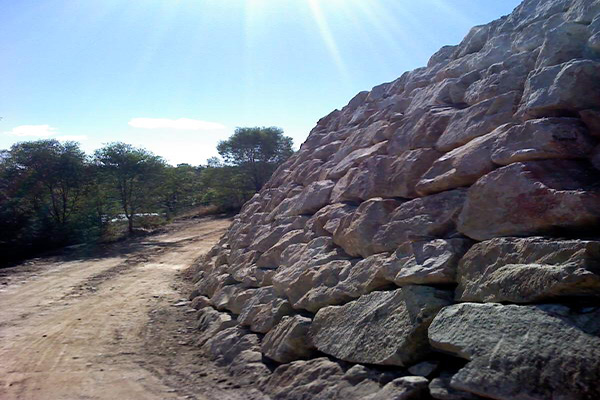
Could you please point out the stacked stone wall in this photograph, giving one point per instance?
(438, 236)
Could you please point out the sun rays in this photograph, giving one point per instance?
(392, 22)
(327, 35)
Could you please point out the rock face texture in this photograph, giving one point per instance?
(445, 225)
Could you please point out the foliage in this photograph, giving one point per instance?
(42, 184)
(182, 188)
(132, 174)
(52, 194)
(257, 152)
(226, 186)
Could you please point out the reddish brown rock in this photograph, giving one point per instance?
(532, 198)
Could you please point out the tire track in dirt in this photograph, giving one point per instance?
(105, 327)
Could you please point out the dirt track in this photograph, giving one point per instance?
(105, 326)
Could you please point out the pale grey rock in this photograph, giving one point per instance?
(431, 262)
(248, 368)
(386, 328)
(312, 199)
(210, 283)
(363, 277)
(289, 341)
(449, 91)
(529, 270)
(226, 345)
(532, 198)
(501, 78)
(240, 263)
(231, 297)
(440, 389)
(210, 322)
(356, 231)
(461, 166)
(531, 11)
(304, 380)
(264, 310)
(200, 302)
(561, 90)
(283, 206)
(307, 172)
(385, 176)
(306, 267)
(405, 388)
(521, 352)
(474, 41)
(326, 220)
(495, 50)
(272, 257)
(356, 157)
(374, 133)
(316, 287)
(421, 129)
(425, 218)
(327, 150)
(267, 236)
(541, 139)
(442, 55)
(252, 276)
(478, 120)
(583, 11)
(563, 43)
(222, 257)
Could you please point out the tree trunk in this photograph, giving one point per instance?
(130, 221)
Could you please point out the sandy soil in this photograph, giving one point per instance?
(105, 325)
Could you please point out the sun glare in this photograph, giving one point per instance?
(327, 36)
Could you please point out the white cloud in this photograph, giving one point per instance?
(186, 124)
(74, 138)
(33, 130)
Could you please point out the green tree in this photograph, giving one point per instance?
(225, 186)
(134, 174)
(257, 152)
(42, 184)
(182, 188)
(51, 173)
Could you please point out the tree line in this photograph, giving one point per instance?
(52, 194)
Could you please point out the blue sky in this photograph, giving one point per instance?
(177, 76)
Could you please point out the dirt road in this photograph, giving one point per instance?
(106, 326)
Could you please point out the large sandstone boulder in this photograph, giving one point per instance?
(478, 120)
(542, 139)
(356, 231)
(431, 262)
(562, 89)
(289, 340)
(522, 352)
(529, 270)
(405, 388)
(304, 380)
(532, 198)
(386, 328)
(263, 310)
(424, 218)
(210, 322)
(385, 176)
(307, 266)
(461, 166)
